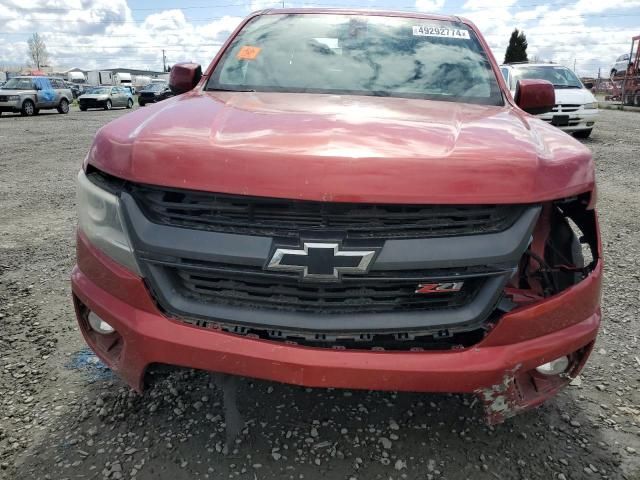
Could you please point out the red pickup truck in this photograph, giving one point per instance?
(345, 199)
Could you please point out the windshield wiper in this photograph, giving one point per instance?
(229, 90)
(565, 86)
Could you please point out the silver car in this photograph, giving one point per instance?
(620, 65)
(28, 95)
(106, 97)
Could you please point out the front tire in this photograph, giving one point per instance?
(108, 105)
(141, 103)
(129, 103)
(64, 106)
(84, 109)
(583, 133)
(28, 109)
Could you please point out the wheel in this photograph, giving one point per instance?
(583, 133)
(613, 72)
(636, 99)
(141, 103)
(108, 105)
(64, 106)
(28, 108)
(628, 100)
(84, 109)
(129, 103)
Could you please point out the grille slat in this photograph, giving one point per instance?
(287, 218)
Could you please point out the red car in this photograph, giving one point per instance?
(344, 199)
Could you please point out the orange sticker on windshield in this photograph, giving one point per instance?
(248, 53)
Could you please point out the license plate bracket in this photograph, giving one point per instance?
(560, 120)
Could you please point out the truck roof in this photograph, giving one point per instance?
(360, 11)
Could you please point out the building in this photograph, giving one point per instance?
(132, 71)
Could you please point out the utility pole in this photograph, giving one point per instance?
(574, 65)
(164, 61)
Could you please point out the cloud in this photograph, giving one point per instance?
(262, 4)
(103, 34)
(429, 5)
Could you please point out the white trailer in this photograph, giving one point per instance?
(76, 77)
(106, 77)
(93, 77)
(122, 78)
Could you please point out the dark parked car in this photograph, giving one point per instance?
(75, 89)
(154, 92)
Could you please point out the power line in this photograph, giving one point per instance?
(248, 5)
(208, 19)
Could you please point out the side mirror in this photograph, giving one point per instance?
(535, 96)
(184, 76)
(588, 85)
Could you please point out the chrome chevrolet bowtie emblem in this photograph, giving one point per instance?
(321, 261)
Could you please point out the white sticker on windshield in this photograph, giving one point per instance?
(444, 32)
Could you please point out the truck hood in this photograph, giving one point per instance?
(344, 148)
(575, 96)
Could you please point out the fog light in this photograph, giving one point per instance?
(554, 367)
(99, 325)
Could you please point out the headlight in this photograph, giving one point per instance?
(590, 106)
(13, 98)
(100, 220)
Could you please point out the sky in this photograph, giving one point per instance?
(94, 34)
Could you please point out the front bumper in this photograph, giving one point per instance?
(500, 369)
(92, 103)
(12, 106)
(580, 119)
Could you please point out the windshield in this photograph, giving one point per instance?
(358, 55)
(18, 84)
(100, 91)
(561, 77)
(155, 87)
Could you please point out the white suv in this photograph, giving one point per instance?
(576, 108)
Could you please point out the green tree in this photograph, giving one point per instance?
(517, 49)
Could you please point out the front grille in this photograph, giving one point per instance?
(291, 218)
(566, 107)
(90, 102)
(4, 98)
(255, 289)
(147, 94)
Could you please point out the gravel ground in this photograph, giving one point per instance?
(64, 416)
